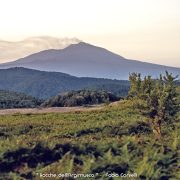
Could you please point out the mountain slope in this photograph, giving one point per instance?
(85, 60)
(15, 50)
(42, 84)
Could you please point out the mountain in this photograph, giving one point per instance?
(10, 99)
(43, 85)
(85, 60)
(15, 50)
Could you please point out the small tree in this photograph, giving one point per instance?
(160, 96)
(146, 87)
(135, 81)
(166, 97)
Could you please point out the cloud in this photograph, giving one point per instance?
(14, 50)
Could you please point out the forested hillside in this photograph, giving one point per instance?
(44, 85)
(79, 98)
(17, 100)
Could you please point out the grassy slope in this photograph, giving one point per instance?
(116, 139)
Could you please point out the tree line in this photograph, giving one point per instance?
(80, 98)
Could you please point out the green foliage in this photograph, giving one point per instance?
(135, 83)
(115, 139)
(17, 100)
(43, 85)
(79, 98)
(160, 96)
(138, 87)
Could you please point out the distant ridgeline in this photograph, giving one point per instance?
(86, 60)
(79, 98)
(17, 100)
(43, 85)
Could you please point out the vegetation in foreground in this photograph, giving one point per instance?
(138, 135)
(161, 96)
(117, 139)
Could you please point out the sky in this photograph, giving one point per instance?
(147, 30)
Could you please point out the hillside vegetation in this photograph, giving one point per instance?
(117, 139)
(130, 138)
(43, 85)
(79, 98)
(17, 100)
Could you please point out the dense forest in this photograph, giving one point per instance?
(9, 99)
(79, 98)
(17, 100)
(44, 85)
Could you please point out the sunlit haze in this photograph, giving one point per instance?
(147, 30)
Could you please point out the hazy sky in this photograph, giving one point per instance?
(147, 30)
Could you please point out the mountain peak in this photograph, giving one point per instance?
(86, 60)
(82, 44)
(16, 50)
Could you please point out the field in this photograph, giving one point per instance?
(115, 139)
(48, 110)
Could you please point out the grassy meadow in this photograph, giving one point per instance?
(117, 139)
